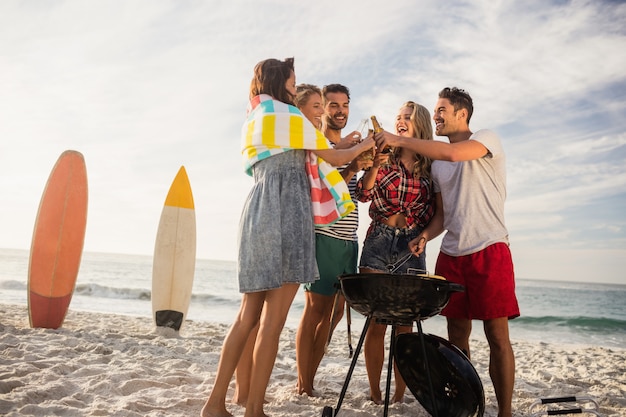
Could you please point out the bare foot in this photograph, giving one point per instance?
(252, 414)
(304, 388)
(395, 399)
(313, 394)
(239, 401)
(210, 411)
(308, 391)
(376, 399)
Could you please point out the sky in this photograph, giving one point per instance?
(143, 87)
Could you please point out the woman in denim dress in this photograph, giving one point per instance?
(276, 247)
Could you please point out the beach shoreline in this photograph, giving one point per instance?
(115, 365)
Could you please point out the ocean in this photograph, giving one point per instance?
(553, 312)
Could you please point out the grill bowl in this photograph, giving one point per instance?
(397, 298)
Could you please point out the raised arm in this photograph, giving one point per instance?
(465, 150)
(337, 157)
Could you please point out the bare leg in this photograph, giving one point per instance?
(338, 314)
(234, 343)
(275, 309)
(374, 350)
(501, 363)
(324, 327)
(398, 396)
(459, 331)
(304, 347)
(327, 325)
(244, 368)
(311, 338)
(313, 335)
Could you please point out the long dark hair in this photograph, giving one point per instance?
(270, 77)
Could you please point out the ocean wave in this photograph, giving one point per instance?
(103, 291)
(96, 290)
(211, 298)
(93, 290)
(13, 285)
(588, 324)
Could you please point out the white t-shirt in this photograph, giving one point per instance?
(473, 194)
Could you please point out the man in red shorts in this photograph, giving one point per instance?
(469, 175)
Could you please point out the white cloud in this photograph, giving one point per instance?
(144, 87)
(594, 146)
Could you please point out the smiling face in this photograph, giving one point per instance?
(447, 120)
(336, 110)
(404, 126)
(313, 109)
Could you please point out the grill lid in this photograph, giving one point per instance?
(457, 388)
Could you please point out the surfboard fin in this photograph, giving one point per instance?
(169, 318)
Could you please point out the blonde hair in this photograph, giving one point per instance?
(420, 120)
(304, 92)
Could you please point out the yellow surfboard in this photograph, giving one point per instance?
(174, 260)
(57, 244)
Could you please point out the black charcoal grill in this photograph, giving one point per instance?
(448, 386)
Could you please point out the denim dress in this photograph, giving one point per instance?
(276, 231)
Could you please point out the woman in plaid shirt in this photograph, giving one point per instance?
(399, 189)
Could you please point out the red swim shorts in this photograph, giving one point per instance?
(489, 283)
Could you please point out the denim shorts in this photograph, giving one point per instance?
(386, 249)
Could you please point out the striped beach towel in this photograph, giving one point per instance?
(273, 127)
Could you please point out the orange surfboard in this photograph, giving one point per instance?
(57, 244)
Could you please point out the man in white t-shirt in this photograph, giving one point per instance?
(469, 176)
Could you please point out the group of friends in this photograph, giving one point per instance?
(417, 191)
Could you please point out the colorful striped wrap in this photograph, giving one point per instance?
(273, 127)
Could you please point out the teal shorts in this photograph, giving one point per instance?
(334, 257)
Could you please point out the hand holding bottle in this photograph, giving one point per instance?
(383, 148)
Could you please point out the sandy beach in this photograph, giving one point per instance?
(115, 365)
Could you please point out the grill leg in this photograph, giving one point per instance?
(392, 350)
(430, 382)
(353, 364)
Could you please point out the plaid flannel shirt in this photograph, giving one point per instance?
(397, 191)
